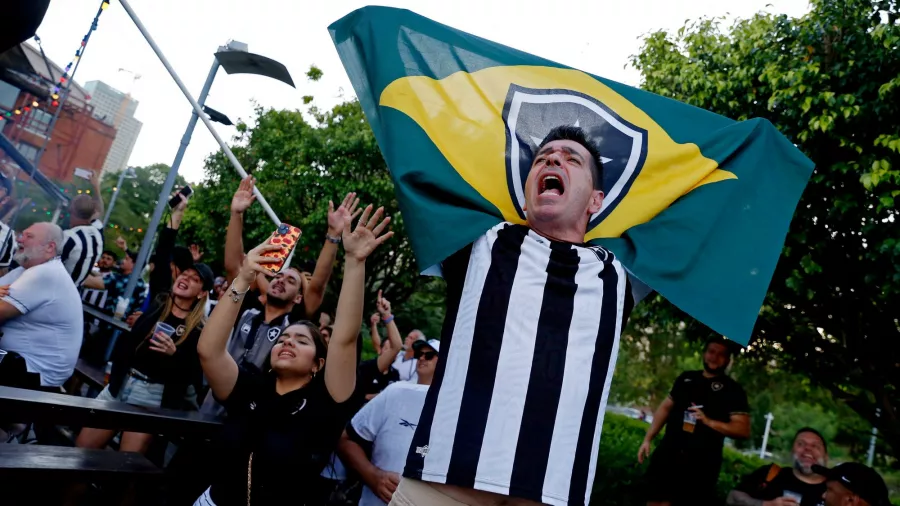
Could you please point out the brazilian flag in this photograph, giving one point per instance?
(696, 205)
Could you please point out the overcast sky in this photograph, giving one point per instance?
(596, 36)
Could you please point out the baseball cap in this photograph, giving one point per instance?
(206, 275)
(421, 342)
(859, 479)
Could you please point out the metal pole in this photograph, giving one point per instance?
(167, 188)
(198, 110)
(871, 455)
(762, 450)
(56, 212)
(112, 201)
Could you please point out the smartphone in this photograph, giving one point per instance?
(84, 173)
(286, 237)
(186, 191)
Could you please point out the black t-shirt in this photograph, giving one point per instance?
(757, 487)
(369, 380)
(721, 397)
(154, 363)
(290, 436)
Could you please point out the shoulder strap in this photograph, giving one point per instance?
(773, 472)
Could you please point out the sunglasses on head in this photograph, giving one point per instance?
(427, 354)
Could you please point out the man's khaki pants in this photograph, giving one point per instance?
(419, 493)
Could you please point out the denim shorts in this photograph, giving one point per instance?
(136, 391)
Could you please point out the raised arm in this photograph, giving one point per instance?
(340, 370)
(315, 290)
(98, 207)
(219, 367)
(234, 236)
(659, 420)
(393, 333)
(373, 332)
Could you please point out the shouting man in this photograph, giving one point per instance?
(528, 348)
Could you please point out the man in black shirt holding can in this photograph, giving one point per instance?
(703, 408)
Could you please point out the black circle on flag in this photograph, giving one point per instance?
(529, 115)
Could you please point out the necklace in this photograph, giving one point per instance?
(188, 310)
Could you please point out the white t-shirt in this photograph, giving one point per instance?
(48, 333)
(389, 421)
(406, 368)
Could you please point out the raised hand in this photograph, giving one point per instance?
(383, 305)
(178, 212)
(243, 197)
(196, 254)
(251, 266)
(375, 319)
(122, 243)
(344, 214)
(361, 242)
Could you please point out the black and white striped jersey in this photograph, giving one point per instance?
(83, 245)
(531, 337)
(7, 245)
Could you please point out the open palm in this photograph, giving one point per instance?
(343, 215)
(361, 242)
(243, 197)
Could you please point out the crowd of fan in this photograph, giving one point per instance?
(305, 421)
(247, 346)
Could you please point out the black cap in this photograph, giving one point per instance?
(206, 275)
(859, 479)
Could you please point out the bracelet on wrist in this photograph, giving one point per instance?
(236, 295)
(387, 320)
(334, 239)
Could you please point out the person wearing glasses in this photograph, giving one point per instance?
(384, 429)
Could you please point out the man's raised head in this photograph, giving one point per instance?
(564, 186)
(38, 244)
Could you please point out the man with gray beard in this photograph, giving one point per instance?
(40, 313)
(773, 486)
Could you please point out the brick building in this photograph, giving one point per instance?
(77, 140)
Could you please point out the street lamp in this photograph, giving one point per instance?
(128, 173)
(235, 59)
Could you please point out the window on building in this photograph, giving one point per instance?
(38, 122)
(27, 150)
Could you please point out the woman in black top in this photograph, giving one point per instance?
(154, 370)
(283, 425)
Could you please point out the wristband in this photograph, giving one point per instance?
(332, 239)
(236, 295)
(389, 319)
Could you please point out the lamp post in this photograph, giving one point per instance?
(128, 173)
(235, 59)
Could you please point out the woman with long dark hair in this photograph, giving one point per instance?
(153, 368)
(283, 424)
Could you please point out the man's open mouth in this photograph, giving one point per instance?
(551, 184)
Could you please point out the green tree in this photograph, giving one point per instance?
(300, 165)
(135, 204)
(830, 81)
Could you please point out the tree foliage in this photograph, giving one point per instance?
(136, 201)
(301, 162)
(830, 81)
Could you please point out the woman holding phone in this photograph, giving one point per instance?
(156, 363)
(283, 424)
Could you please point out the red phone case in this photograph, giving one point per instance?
(286, 237)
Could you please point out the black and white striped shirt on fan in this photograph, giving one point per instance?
(82, 249)
(531, 333)
(7, 245)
